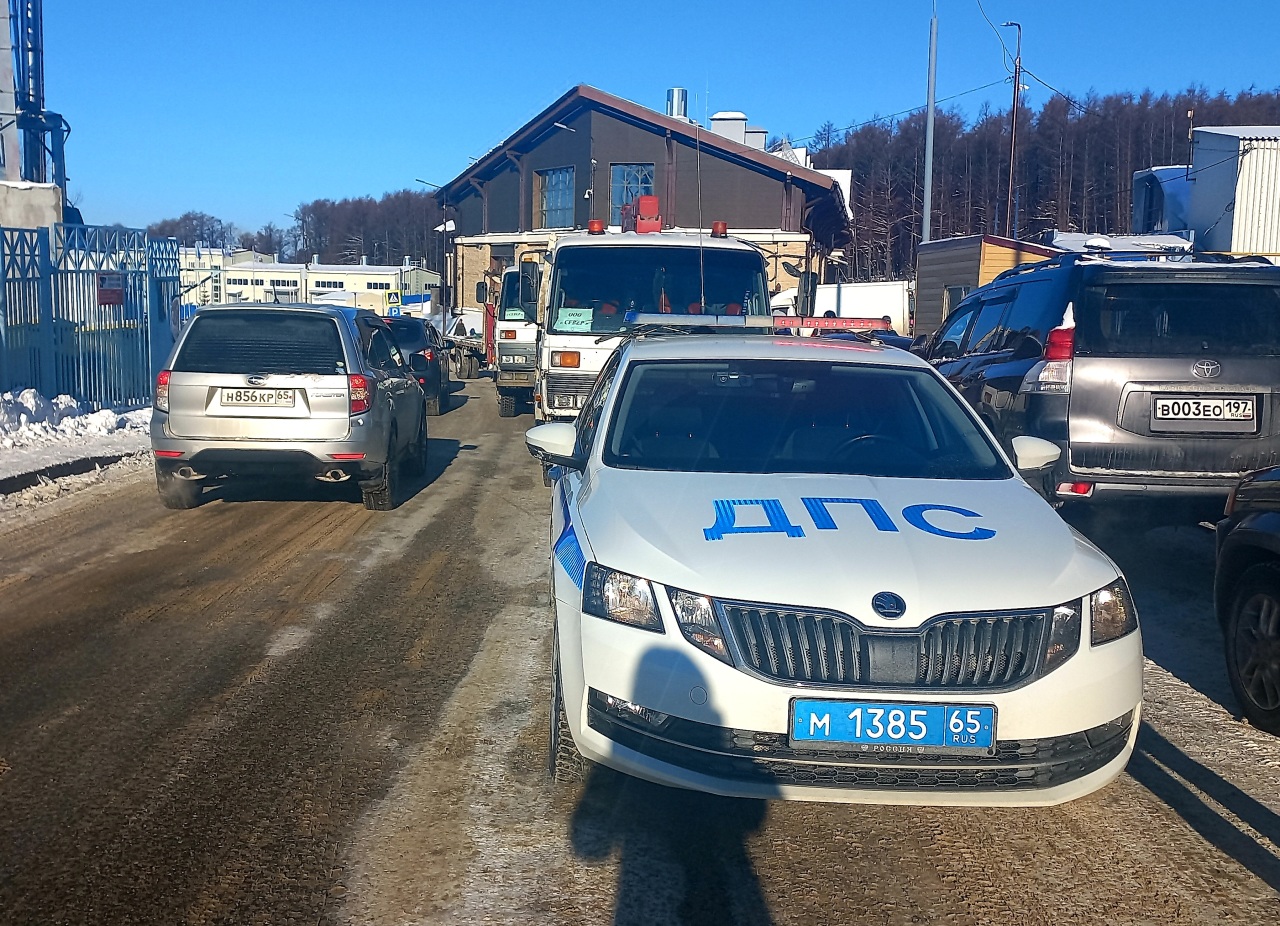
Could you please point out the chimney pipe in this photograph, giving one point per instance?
(678, 103)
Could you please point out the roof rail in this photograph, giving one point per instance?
(1075, 257)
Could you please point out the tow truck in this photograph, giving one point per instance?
(599, 282)
(515, 337)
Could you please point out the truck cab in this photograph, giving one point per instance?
(515, 337)
(600, 281)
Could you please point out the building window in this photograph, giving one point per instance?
(372, 285)
(284, 284)
(627, 183)
(257, 281)
(329, 284)
(555, 198)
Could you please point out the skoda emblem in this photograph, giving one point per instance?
(888, 605)
(257, 379)
(1206, 369)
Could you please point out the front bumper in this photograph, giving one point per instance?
(1058, 737)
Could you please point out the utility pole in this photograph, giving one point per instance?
(1009, 228)
(926, 223)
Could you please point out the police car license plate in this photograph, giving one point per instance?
(892, 727)
(257, 397)
(1201, 408)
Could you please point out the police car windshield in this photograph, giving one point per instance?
(595, 287)
(793, 416)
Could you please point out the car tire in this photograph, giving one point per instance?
(434, 403)
(178, 494)
(565, 765)
(381, 494)
(464, 366)
(416, 458)
(506, 405)
(1252, 631)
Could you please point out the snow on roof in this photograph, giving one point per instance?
(1270, 132)
(1077, 241)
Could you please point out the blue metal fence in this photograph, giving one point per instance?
(59, 334)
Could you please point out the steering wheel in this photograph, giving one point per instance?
(867, 442)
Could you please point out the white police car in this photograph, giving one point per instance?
(804, 569)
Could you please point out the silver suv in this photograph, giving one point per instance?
(301, 391)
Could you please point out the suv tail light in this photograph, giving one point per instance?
(429, 355)
(161, 400)
(1061, 344)
(358, 387)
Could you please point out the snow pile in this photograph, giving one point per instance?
(29, 419)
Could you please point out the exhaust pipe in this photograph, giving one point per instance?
(186, 472)
(334, 475)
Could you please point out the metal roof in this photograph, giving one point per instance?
(1268, 132)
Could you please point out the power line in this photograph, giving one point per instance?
(1080, 106)
(905, 112)
(999, 37)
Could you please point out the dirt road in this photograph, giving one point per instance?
(291, 710)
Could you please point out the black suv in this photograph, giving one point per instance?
(427, 357)
(1246, 593)
(1154, 377)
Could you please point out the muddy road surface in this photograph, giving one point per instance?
(281, 708)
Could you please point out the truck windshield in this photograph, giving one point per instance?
(595, 287)
(509, 307)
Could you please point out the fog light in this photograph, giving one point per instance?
(1076, 489)
(629, 710)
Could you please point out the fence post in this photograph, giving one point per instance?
(5, 385)
(48, 361)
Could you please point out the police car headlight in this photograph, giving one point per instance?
(699, 624)
(1111, 613)
(617, 596)
(1064, 635)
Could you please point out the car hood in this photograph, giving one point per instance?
(834, 542)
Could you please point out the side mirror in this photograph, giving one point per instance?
(919, 344)
(1032, 453)
(553, 443)
(947, 350)
(529, 280)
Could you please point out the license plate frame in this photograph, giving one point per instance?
(1170, 411)
(840, 735)
(237, 397)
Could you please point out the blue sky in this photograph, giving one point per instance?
(245, 109)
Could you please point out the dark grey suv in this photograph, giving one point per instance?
(1156, 378)
(293, 391)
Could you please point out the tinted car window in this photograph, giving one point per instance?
(410, 334)
(383, 355)
(775, 416)
(952, 332)
(1179, 319)
(981, 335)
(261, 341)
(1033, 313)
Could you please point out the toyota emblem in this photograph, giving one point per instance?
(888, 605)
(257, 379)
(1206, 369)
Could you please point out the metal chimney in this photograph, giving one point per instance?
(678, 103)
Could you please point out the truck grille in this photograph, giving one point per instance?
(567, 390)
(968, 651)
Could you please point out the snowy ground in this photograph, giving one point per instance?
(36, 433)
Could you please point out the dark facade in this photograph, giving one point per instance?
(558, 172)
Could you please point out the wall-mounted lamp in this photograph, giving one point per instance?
(561, 125)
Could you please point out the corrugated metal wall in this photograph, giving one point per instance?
(1257, 212)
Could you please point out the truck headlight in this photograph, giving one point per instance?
(1064, 635)
(1111, 613)
(699, 624)
(617, 596)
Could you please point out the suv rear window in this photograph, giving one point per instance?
(262, 342)
(410, 334)
(1179, 319)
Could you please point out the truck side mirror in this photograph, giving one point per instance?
(529, 279)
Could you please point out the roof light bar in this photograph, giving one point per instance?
(698, 321)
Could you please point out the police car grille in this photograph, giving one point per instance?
(969, 651)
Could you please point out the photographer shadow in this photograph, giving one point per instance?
(682, 855)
